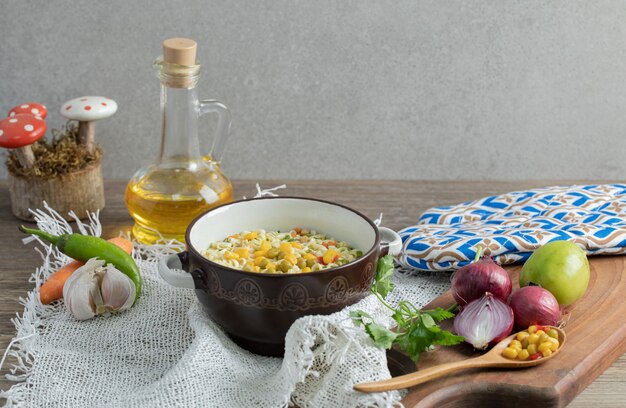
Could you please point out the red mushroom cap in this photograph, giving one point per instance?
(21, 130)
(30, 108)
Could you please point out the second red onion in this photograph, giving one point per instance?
(535, 305)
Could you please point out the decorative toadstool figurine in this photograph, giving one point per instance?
(19, 132)
(86, 110)
(31, 108)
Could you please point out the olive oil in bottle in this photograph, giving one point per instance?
(163, 198)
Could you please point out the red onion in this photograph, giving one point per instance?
(473, 280)
(484, 321)
(535, 305)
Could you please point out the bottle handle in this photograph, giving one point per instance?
(223, 125)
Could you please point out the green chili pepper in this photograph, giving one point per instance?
(85, 247)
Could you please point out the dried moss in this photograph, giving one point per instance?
(59, 156)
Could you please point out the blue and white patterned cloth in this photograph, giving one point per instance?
(511, 226)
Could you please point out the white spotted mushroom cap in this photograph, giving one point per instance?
(89, 108)
(21, 130)
(30, 108)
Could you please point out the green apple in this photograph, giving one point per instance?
(561, 267)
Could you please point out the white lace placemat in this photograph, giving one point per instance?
(164, 351)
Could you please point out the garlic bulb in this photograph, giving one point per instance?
(96, 288)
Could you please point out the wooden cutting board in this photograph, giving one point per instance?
(596, 336)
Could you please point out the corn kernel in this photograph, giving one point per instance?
(330, 256)
(532, 349)
(309, 256)
(533, 339)
(230, 255)
(523, 355)
(554, 344)
(271, 267)
(532, 329)
(260, 261)
(250, 235)
(296, 244)
(540, 332)
(509, 353)
(522, 335)
(515, 343)
(259, 254)
(544, 346)
(265, 246)
(546, 352)
(242, 252)
(285, 247)
(306, 269)
(291, 258)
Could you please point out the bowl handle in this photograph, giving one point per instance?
(390, 241)
(171, 270)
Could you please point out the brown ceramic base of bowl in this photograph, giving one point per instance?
(263, 349)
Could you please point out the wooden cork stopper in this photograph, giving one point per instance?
(181, 51)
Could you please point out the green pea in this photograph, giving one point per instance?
(553, 333)
(285, 265)
(272, 252)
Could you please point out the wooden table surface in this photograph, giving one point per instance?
(400, 201)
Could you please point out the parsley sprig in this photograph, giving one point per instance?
(417, 330)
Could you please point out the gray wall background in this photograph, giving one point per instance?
(345, 89)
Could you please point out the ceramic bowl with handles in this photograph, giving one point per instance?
(257, 309)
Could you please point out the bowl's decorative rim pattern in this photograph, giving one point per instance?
(294, 296)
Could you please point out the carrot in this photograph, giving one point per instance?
(52, 289)
(123, 243)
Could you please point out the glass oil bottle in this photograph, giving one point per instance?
(164, 197)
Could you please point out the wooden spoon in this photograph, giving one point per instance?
(493, 358)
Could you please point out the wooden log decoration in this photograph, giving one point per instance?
(80, 191)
